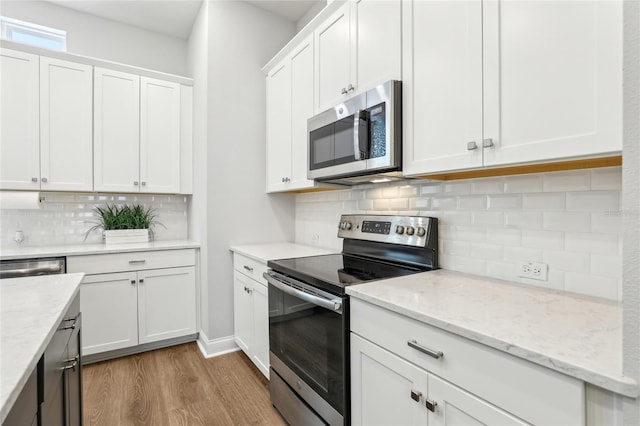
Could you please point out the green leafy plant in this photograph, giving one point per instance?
(124, 217)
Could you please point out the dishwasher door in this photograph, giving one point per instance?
(17, 268)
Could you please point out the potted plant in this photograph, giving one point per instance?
(125, 224)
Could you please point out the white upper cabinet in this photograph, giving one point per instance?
(159, 136)
(19, 121)
(552, 79)
(357, 47)
(66, 102)
(499, 82)
(116, 131)
(137, 133)
(289, 106)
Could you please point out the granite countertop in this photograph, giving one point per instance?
(86, 249)
(30, 310)
(270, 251)
(576, 335)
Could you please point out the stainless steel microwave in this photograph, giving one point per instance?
(359, 139)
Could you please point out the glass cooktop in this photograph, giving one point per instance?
(333, 272)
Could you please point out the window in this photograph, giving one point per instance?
(33, 34)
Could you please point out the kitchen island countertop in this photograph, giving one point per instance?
(576, 335)
(30, 310)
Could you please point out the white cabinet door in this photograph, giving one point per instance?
(552, 79)
(260, 301)
(383, 387)
(301, 111)
(376, 41)
(19, 121)
(109, 305)
(455, 407)
(243, 312)
(159, 136)
(333, 59)
(442, 86)
(279, 128)
(166, 303)
(116, 131)
(66, 124)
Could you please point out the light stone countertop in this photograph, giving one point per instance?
(30, 310)
(576, 335)
(270, 251)
(86, 249)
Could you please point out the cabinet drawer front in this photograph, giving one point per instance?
(249, 267)
(518, 386)
(134, 261)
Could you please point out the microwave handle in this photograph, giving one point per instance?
(360, 134)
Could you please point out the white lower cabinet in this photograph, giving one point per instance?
(251, 311)
(407, 372)
(124, 304)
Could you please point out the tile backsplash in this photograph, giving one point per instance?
(64, 218)
(570, 220)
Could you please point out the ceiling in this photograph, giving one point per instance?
(173, 17)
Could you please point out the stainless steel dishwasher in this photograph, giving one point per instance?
(32, 267)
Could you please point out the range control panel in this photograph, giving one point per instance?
(406, 230)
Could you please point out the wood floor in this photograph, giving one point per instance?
(177, 386)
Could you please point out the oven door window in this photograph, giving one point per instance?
(309, 339)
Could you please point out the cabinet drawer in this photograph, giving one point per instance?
(529, 391)
(249, 267)
(133, 261)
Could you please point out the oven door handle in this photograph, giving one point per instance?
(331, 304)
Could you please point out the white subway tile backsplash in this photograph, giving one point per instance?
(606, 178)
(489, 225)
(592, 243)
(594, 201)
(592, 285)
(504, 202)
(543, 239)
(578, 180)
(566, 221)
(542, 201)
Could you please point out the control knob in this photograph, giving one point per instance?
(399, 229)
(410, 230)
(347, 226)
(421, 231)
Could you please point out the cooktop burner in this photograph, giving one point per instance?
(334, 272)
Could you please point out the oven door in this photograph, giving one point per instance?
(307, 341)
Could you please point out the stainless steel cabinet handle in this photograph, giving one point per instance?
(350, 88)
(141, 281)
(137, 262)
(472, 145)
(34, 180)
(343, 91)
(72, 326)
(144, 183)
(431, 405)
(487, 143)
(135, 183)
(415, 395)
(133, 281)
(248, 268)
(435, 354)
(44, 180)
(71, 363)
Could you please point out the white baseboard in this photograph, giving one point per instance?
(216, 347)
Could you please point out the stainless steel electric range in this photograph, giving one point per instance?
(309, 310)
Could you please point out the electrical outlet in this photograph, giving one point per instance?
(533, 270)
(315, 239)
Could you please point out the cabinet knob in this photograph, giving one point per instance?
(34, 180)
(135, 183)
(350, 88)
(133, 281)
(415, 395)
(487, 143)
(472, 145)
(141, 281)
(143, 183)
(431, 405)
(343, 91)
(45, 180)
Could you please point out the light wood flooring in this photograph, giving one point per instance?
(177, 386)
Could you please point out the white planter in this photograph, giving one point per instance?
(124, 236)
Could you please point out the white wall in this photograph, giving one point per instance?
(90, 35)
(241, 39)
(311, 13)
(631, 206)
(569, 220)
